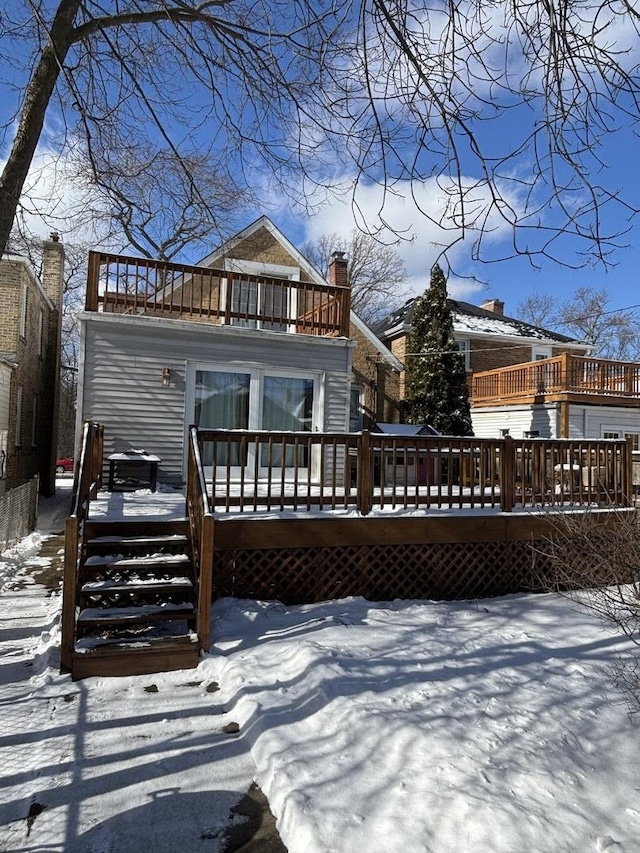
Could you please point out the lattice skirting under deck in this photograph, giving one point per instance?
(382, 572)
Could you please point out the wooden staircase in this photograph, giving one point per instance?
(136, 601)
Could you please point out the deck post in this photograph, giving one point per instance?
(627, 472)
(68, 615)
(507, 474)
(365, 485)
(205, 585)
(93, 271)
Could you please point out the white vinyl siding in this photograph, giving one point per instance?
(121, 380)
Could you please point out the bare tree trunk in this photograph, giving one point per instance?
(37, 97)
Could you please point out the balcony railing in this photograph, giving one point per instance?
(565, 374)
(138, 286)
(256, 471)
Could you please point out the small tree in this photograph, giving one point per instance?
(437, 391)
(595, 560)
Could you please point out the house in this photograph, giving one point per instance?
(252, 338)
(486, 337)
(30, 318)
(568, 396)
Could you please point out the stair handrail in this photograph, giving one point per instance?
(87, 481)
(201, 527)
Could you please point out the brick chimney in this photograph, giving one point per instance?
(496, 306)
(338, 275)
(53, 269)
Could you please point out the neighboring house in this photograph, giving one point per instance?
(252, 338)
(30, 317)
(6, 371)
(568, 396)
(527, 381)
(486, 337)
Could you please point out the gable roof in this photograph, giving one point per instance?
(470, 320)
(263, 222)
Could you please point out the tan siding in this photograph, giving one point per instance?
(262, 247)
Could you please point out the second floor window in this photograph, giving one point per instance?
(23, 311)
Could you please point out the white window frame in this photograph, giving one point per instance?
(610, 433)
(256, 397)
(541, 351)
(256, 268)
(464, 348)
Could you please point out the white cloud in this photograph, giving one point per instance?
(409, 218)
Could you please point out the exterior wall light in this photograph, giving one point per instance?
(166, 376)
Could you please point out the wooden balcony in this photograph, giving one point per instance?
(138, 286)
(565, 378)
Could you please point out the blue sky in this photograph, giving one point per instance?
(511, 280)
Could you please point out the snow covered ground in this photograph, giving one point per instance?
(420, 727)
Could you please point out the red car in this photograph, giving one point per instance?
(64, 466)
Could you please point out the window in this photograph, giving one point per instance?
(255, 399)
(19, 417)
(23, 311)
(265, 304)
(635, 440)
(34, 421)
(465, 350)
(610, 434)
(539, 352)
(356, 414)
(40, 332)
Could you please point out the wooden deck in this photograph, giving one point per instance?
(565, 378)
(335, 516)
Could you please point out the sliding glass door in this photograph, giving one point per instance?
(256, 399)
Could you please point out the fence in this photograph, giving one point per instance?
(18, 512)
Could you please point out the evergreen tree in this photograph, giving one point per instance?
(437, 392)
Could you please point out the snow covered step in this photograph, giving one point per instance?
(94, 616)
(138, 586)
(116, 657)
(143, 563)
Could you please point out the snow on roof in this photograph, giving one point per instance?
(470, 319)
(406, 429)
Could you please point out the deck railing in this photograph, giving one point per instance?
(87, 481)
(201, 526)
(255, 471)
(563, 374)
(126, 285)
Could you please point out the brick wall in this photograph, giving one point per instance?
(381, 385)
(37, 367)
(490, 355)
